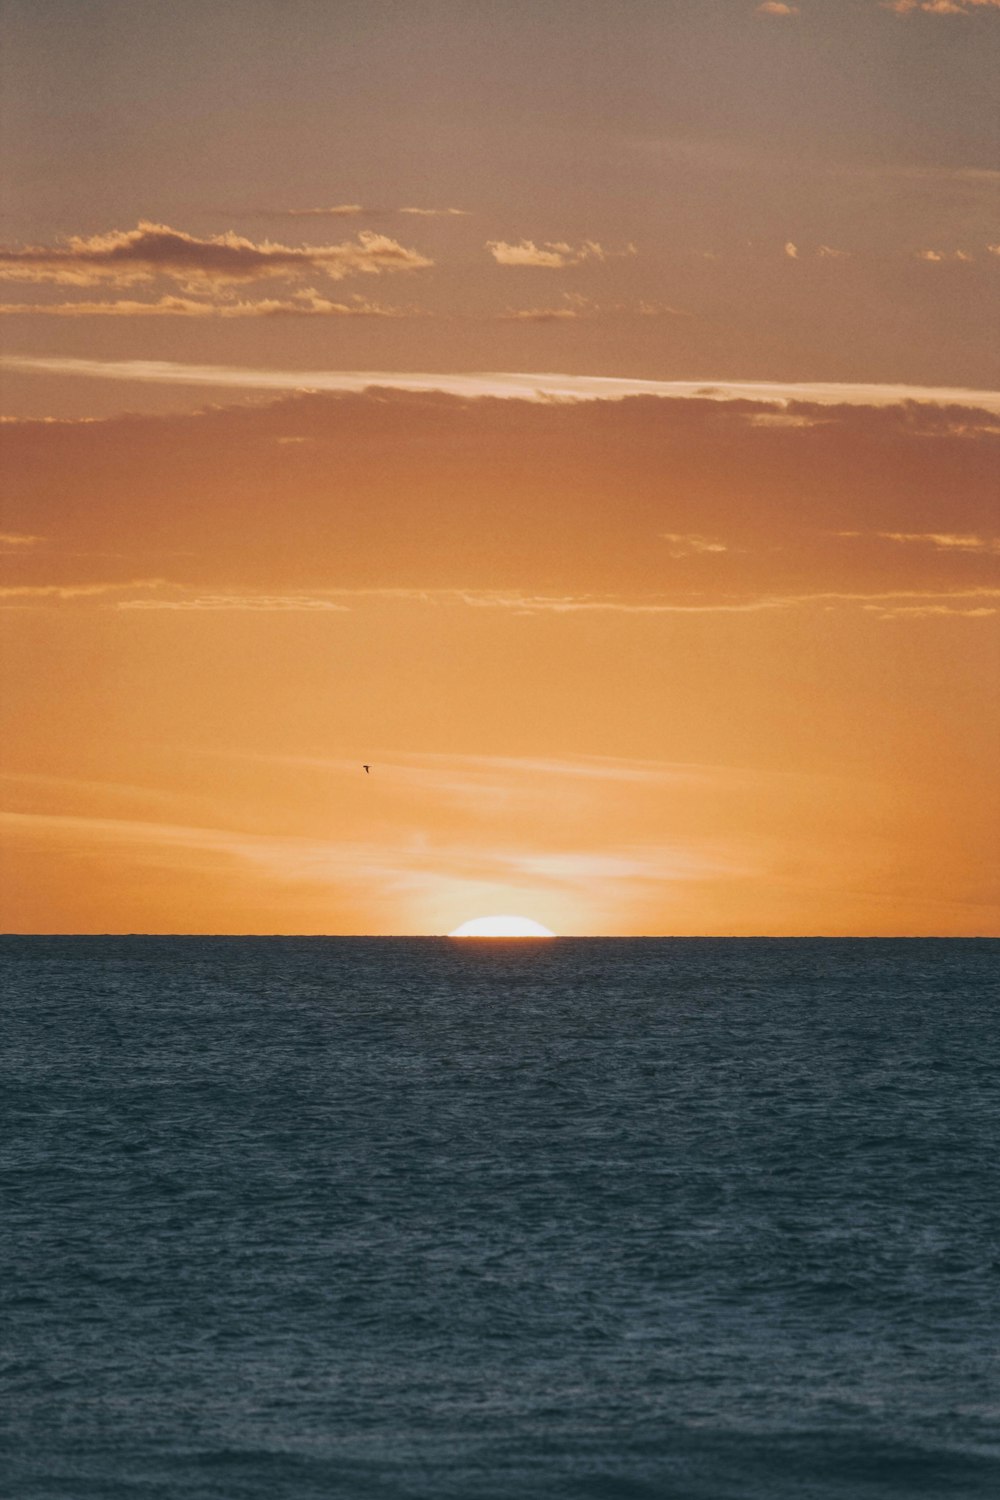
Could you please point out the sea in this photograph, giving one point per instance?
(432, 1219)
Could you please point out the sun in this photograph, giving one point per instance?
(502, 927)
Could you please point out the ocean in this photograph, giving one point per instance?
(423, 1219)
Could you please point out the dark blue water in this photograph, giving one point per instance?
(315, 1218)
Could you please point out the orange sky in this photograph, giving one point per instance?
(683, 657)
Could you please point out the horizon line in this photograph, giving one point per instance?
(582, 937)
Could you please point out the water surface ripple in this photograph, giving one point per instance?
(402, 1219)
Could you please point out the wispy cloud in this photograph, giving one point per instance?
(336, 211)
(19, 539)
(925, 611)
(942, 257)
(777, 8)
(490, 599)
(411, 863)
(145, 595)
(946, 541)
(437, 213)
(564, 314)
(125, 258)
(358, 210)
(551, 254)
(241, 603)
(28, 592)
(914, 602)
(939, 7)
(515, 386)
(794, 251)
(302, 304)
(684, 545)
(572, 768)
(941, 541)
(575, 307)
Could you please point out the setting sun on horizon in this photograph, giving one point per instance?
(501, 927)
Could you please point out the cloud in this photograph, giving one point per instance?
(437, 213)
(928, 611)
(776, 8)
(411, 863)
(338, 211)
(541, 315)
(939, 7)
(821, 252)
(589, 604)
(569, 605)
(480, 772)
(576, 307)
(19, 539)
(256, 603)
(63, 591)
(686, 545)
(574, 768)
(941, 541)
(512, 386)
(786, 419)
(573, 306)
(145, 595)
(940, 256)
(358, 210)
(552, 254)
(125, 258)
(303, 304)
(659, 310)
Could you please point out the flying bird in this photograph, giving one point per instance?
(366, 769)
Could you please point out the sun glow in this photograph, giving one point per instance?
(502, 927)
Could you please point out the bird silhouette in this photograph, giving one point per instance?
(366, 769)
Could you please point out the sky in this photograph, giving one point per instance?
(586, 415)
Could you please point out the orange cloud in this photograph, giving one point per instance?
(437, 213)
(684, 545)
(542, 315)
(337, 211)
(143, 596)
(576, 307)
(213, 603)
(777, 8)
(552, 254)
(62, 591)
(786, 402)
(152, 250)
(304, 304)
(355, 210)
(926, 611)
(939, 7)
(942, 541)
